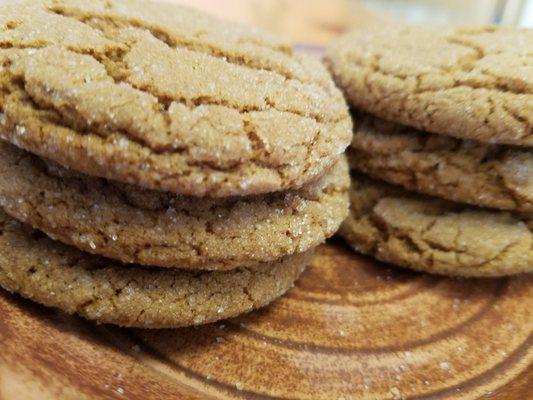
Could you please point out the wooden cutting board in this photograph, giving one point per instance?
(351, 328)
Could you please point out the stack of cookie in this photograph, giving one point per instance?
(160, 168)
(446, 146)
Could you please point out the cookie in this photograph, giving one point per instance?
(166, 98)
(97, 288)
(436, 236)
(471, 83)
(496, 176)
(152, 228)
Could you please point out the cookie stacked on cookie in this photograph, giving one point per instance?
(443, 147)
(158, 167)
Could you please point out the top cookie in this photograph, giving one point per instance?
(469, 83)
(165, 97)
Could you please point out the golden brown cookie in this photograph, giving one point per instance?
(152, 228)
(471, 83)
(436, 236)
(166, 98)
(496, 176)
(61, 276)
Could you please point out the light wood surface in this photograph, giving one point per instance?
(314, 22)
(320, 21)
(351, 328)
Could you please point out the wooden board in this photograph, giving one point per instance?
(351, 328)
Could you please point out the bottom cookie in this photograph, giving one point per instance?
(97, 288)
(436, 236)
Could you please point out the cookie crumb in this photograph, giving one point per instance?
(444, 365)
(395, 394)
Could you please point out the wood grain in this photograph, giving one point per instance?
(351, 328)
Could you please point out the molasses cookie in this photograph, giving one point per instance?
(96, 288)
(164, 97)
(154, 228)
(436, 236)
(471, 83)
(487, 175)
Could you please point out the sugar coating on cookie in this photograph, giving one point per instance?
(162, 229)
(474, 83)
(96, 288)
(165, 97)
(432, 235)
(462, 170)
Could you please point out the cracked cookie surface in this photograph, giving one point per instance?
(166, 98)
(155, 228)
(96, 288)
(436, 236)
(473, 83)
(488, 175)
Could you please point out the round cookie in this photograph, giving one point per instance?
(469, 83)
(155, 228)
(436, 236)
(166, 98)
(486, 175)
(96, 288)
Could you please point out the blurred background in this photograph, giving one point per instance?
(316, 22)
